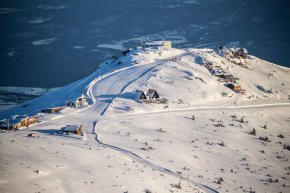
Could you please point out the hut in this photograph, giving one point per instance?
(79, 103)
(31, 135)
(234, 87)
(140, 95)
(32, 120)
(52, 110)
(152, 94)
(71, 103)
(82, 102)
(17, 121)
(74, 129)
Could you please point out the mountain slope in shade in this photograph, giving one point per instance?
(74, 36)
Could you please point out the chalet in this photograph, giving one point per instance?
(81, 102)
(235, 87)
(152, 94)
(32, 120)
(74, 129)
(140, 95)
(16, 122)
(157, 44)
(52, 110)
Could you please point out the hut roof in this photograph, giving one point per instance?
(151, 92)
(70, 128)
(140, 95)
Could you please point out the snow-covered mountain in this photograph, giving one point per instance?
(199, 136)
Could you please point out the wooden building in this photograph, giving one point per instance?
(16, 122)
(52, 110)
(235, 87)
(74, 129)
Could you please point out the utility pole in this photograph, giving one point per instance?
(8, 125)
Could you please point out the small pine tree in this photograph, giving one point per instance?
(147, 191)
(280, 135)
(178, 186)
(220, 180)
(253, 132)
(242, 120)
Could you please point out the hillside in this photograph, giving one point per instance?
(220, 124)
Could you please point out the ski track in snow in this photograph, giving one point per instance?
(149, 164)
(208, 108)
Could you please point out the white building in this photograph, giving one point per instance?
(156, 44)
(81, 102)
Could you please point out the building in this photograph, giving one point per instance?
(52, 110)
(167, 44)
(71, 103)
(74, 129)
(152, 94)
(31, 135)
(140, 95)
(17, 121)
(235, 87)
(81, 102)
(157, 44)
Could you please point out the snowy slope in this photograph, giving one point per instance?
(186, 83)
(133, 146)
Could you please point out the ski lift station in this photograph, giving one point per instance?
(156, 44)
